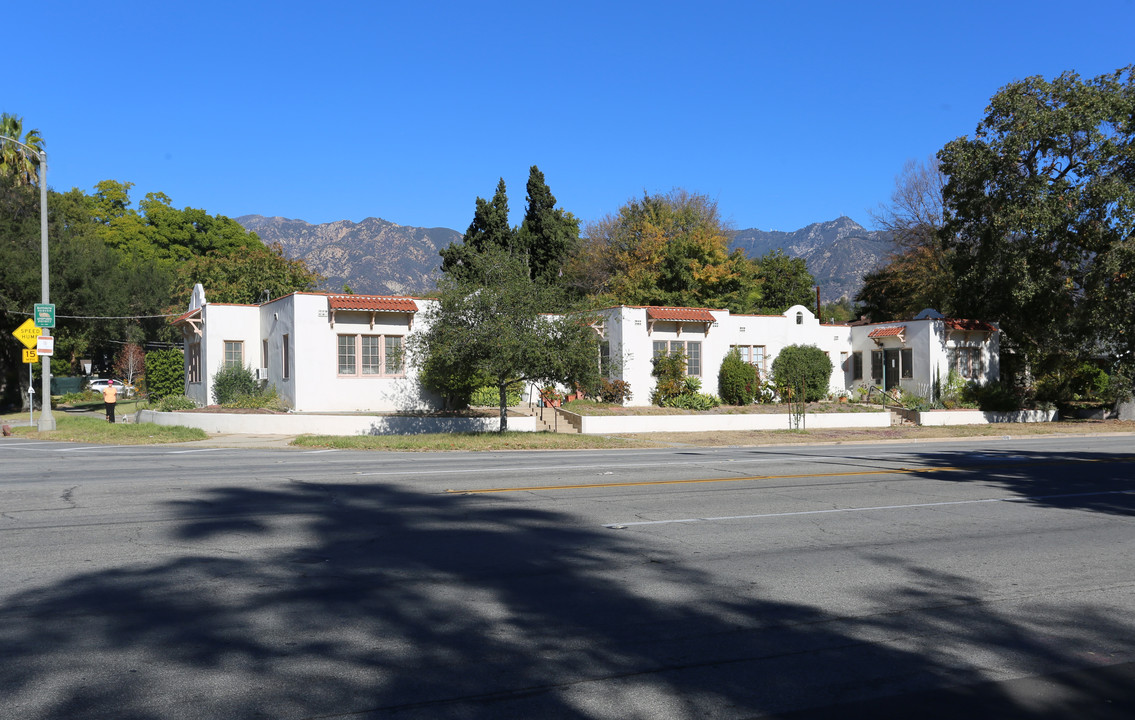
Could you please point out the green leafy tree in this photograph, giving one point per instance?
(784, 282)
(165, 373)
(1040, 216)
(491, 325)
(548, 235)
(19, 281)
(670, 249)
(244, 276)
(802, 365)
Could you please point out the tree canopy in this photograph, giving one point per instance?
(1040, 217)
(673, 249)
(490, 325)
(545, 238)
(116, 270)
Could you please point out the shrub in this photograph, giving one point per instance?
(165, 373)
(737, 381)
(75, 398)
(266, 399)
(992, 396)
(614, 391)
(802, 363)
(911, 401)
(489, 395)
(231, 382)
(693, 401)
(671, 373)
(175, 403)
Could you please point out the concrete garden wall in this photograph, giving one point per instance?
(612, 424)
(981, 417)
(293, 424)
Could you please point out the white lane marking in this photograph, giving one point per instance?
(201, 450)
(317, 452)
(85, 447)
(1027, 498)
(547, 468)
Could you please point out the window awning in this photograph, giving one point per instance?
(372, 304)
(190, 322)
(970, 325)
(679, 315)
(376, 303)
(895, 331)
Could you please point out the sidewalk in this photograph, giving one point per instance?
(244, 440)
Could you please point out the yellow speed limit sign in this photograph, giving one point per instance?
(30, 356)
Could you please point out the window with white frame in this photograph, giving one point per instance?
(691, 349)
(370, 356)
(234, 353)
(967, 362)
(193, 363)
(286, 358)
(693, 358)
(906, 363)
(752, 354)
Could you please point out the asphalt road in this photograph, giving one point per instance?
(985, 578)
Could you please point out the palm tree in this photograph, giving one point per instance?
(17, 160)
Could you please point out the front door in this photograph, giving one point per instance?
(891, 369)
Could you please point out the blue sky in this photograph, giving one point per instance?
(785, 113)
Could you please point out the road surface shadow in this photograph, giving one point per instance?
(399, 603)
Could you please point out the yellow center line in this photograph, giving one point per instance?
(799, 476)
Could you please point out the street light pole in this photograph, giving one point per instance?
(46, 419)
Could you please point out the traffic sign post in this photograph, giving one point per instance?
(44, 315)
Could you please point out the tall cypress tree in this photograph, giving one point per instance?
(548, 235)
(489, 229)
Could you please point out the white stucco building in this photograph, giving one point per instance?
(338, 353)
(322, 352)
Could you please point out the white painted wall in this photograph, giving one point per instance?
(240, 323)
(629, 334)
(609, 424)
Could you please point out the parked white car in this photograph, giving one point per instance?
(98, 385)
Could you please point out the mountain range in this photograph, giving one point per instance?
(379, 257)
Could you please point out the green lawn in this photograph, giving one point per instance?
(95, 429)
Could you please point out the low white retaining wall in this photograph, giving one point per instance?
(612, 424)
(981, 417)
(331, 424)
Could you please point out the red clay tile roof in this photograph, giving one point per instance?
(887, 331)
(679, 314)
(185, 316)
(980, 325)
(374, 303)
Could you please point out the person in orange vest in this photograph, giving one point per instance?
(109, 398)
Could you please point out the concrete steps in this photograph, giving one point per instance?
(554, 420)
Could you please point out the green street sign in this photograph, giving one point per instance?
(44, 315)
